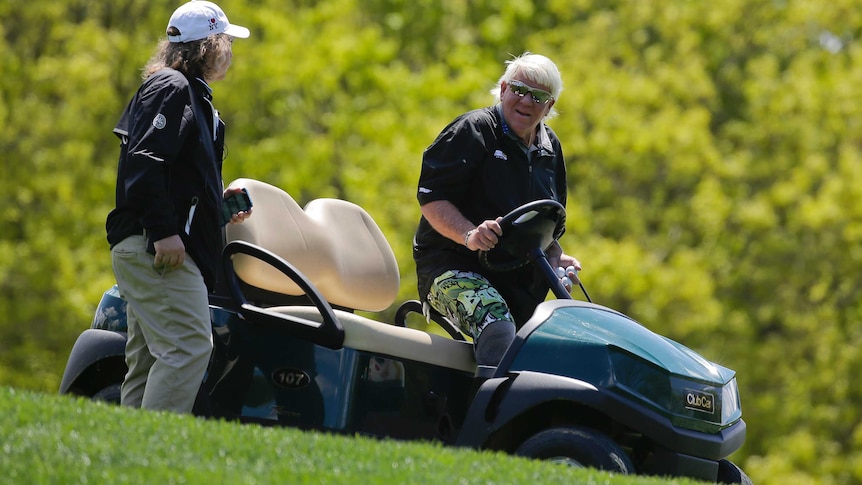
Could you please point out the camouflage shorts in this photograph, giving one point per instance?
(468, 299)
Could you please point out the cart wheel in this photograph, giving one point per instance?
(110, 394)
(578, 447)
(728, 472)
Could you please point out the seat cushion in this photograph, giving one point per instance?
(334, 243)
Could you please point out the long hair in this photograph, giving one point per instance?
(197, 58)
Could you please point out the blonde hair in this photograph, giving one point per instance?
(535, 68)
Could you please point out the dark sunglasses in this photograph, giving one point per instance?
(539, 96)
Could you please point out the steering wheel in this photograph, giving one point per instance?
(527, 231)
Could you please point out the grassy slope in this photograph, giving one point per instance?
(53, 439)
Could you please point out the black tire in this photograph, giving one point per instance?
(109, 394)
(578, 447)
(728, 472)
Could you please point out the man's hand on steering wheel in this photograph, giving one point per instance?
(485, 236)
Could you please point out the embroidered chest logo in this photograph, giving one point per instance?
(160, 121)
(499, 154)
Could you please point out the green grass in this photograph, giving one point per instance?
(54, 439)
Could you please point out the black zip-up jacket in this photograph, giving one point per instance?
(167, 184)
(486, 172)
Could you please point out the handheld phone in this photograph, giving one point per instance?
(236, 202)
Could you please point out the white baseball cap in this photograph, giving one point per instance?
(198, 19)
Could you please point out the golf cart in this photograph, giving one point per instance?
(582, 384)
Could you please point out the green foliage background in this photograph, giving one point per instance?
(713, 150)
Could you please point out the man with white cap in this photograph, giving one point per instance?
(165, 232)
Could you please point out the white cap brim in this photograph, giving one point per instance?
(237, 31)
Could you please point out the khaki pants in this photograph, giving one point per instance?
(169, 337)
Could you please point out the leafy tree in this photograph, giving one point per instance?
(713, 153)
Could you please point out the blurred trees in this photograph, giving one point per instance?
(713, 151)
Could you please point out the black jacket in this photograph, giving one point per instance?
(166, 182)
(486, 172)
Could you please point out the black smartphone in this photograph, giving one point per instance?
(236, 202)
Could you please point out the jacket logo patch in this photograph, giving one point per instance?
(499, 154)
(160, 121)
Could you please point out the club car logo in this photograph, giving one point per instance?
(290, 378)
(699, 401)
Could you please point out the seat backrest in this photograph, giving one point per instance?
(334, 243)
